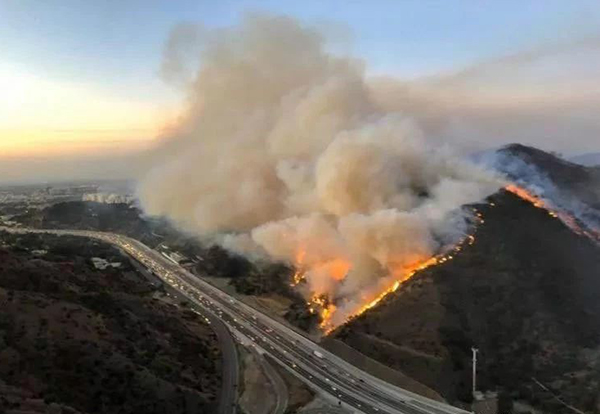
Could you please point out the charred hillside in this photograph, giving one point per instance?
(525, 293)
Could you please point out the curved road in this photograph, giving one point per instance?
(231, 368)
(333, 378)
(279, 387)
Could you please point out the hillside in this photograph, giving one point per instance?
(525, 293)
(267, 280)
(89, 215)
(74, 339)
(568, 185)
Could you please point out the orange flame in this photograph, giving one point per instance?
(406, 273)
(339, 268)
(567, 219)
(300, 274)
(400, 275)
(336, 268)
(526, 195)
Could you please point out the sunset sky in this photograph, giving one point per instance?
(82, 77)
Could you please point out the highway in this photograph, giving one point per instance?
(330, 376)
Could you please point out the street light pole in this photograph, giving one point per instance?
(474, 350)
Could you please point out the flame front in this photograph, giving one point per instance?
(300, 274)
(526, 195)
(338, 269)
(401, 276)
(569, 220)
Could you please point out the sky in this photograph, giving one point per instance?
(80, 80)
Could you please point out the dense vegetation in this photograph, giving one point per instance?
(248, 278)
(77, 339)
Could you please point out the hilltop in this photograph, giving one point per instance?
(569, 186)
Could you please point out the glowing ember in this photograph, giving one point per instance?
(526, 195)
(326, 311)
(300, 274)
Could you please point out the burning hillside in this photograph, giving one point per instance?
(524, 292)
(569, 220)
(293, 157)
(327, 309)
(567, 190)
(289, 156)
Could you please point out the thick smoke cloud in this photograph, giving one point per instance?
(286, 149)
(543, 96)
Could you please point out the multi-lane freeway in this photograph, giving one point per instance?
(330, 376)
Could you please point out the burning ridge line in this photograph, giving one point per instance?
(325, 308)
(570, 221)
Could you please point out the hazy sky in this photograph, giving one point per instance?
(80, 78)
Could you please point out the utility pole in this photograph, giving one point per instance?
(474, 350)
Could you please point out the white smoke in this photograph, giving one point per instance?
(582, 205)
(285, 148)
(108, 198)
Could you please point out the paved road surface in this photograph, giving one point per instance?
(231, 368)
(333, 378)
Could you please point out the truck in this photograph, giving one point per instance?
(318, 354)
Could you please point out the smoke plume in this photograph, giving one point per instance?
(286, 152)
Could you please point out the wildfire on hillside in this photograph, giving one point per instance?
(323, 306)
(566, 218)
(338, 268)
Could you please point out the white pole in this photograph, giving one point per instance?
(475, 350)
